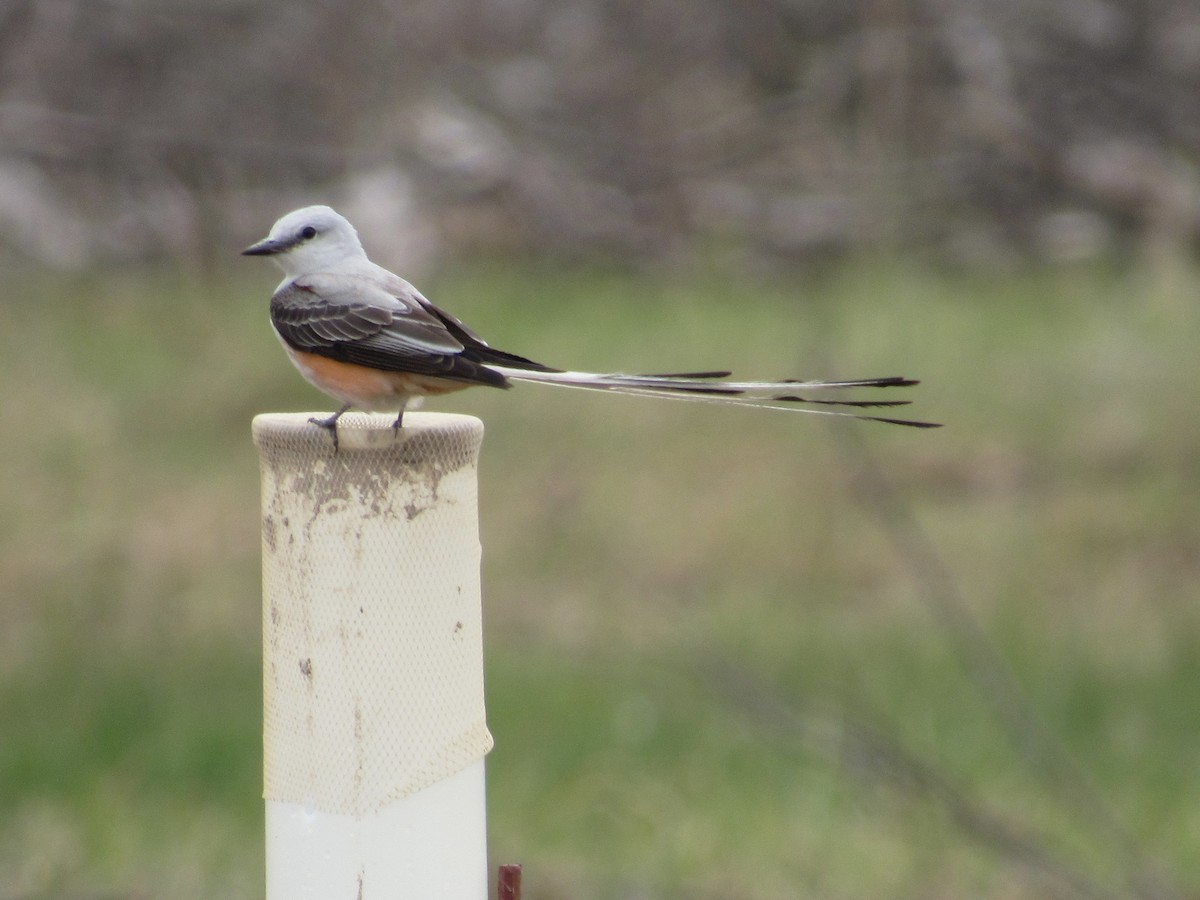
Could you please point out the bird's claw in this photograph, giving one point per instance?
(329, 424)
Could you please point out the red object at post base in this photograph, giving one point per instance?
(509, 885)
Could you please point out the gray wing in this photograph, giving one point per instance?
(352, 318)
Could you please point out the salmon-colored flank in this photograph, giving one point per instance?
(368, 388)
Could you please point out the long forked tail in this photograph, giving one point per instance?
(708, 387)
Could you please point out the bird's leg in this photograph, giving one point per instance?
(399, 421)
(330, 424)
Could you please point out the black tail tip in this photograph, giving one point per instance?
(909, 422)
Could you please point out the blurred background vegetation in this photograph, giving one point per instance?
(730, 653)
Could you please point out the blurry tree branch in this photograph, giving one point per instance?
(877, 758)
(645, 128)
(1045, 756)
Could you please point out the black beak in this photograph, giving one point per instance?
(266, 247)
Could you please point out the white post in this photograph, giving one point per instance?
(373, 718)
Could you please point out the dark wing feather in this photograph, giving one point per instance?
(353, 319)
(474, 346)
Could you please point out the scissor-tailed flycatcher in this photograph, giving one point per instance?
(370, 340)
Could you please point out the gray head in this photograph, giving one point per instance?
(313, 239)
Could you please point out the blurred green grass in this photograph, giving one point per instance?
(711, 669)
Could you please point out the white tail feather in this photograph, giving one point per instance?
(759, 394)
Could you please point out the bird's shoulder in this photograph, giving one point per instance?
(402, 299)
(321, 309)
(338, 289)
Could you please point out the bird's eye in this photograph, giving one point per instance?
(308, 232)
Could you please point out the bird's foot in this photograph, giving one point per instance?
(330, 424)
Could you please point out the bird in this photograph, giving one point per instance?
(372, 341)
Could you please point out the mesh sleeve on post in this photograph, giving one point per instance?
(372, 630)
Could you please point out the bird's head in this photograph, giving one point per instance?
(313, 239)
